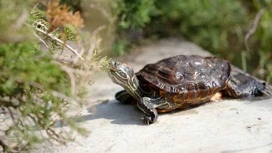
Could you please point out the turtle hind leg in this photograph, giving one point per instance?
(124, 97)
(238, 89)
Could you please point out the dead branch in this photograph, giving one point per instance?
(59, 41)
(253, 28)
(92, 39)
(43, 42)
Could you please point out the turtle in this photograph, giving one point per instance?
(181, 81)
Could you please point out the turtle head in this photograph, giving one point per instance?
(120, 73)
(123, 75)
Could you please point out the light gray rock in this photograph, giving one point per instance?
(226, 126)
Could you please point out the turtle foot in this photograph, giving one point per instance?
(248, 88)
(148, 120)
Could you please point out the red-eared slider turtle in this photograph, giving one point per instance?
(180, 82)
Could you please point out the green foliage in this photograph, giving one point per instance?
(41, 75)
(28, 86)
(132, 15)
(219, 26)
(214, 25)
(120, 47)
(11, 21)
(260, 41)
(208, 23)
(23, 64)
(135, 13)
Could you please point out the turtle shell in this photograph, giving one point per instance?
(183, 78)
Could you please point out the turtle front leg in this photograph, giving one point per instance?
(124, 97)
(148, 106)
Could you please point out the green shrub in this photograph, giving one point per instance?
(9, 18)
(41, 75)
(219, 26)
(214, 25)
(135, 14)
(132, 17)
(27, 86)
(259, 42)
(209, 23)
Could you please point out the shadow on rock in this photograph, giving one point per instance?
(126, 114)
(119, 114)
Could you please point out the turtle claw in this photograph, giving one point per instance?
(148, 120)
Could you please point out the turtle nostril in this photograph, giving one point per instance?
(112, 63)
(112, 66)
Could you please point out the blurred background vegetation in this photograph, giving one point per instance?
(35, 72)
(239, 31)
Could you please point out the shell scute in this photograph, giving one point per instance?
(186, 77)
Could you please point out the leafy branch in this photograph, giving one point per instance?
(42, 78)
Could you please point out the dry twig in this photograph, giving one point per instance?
(59, 41)
(253, 28)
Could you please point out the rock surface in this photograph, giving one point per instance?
(226, 126)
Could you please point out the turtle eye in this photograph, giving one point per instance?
(122, 74)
